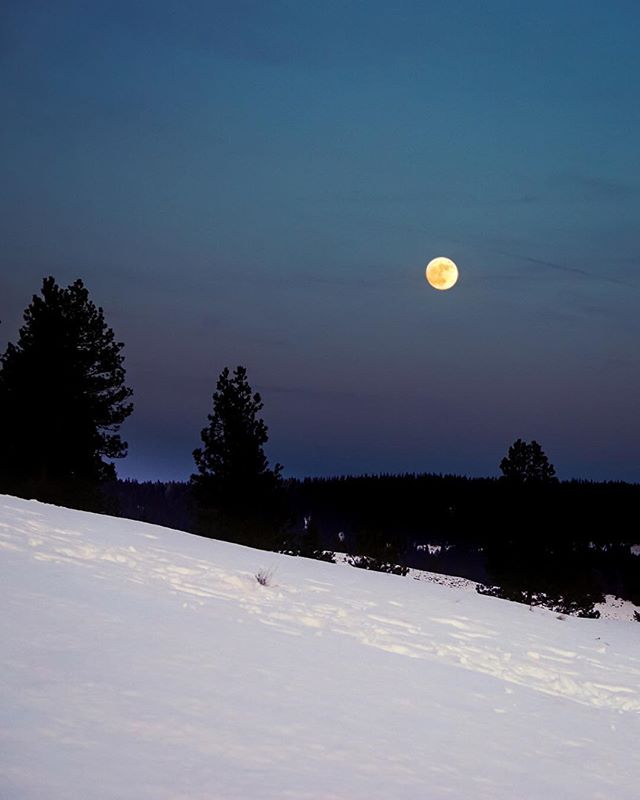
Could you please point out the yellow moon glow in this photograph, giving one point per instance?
(442, 273)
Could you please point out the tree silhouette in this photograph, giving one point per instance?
(527, 463)
(525, 556)
(236, 490)
(62, 397)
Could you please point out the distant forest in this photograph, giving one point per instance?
(479, 528)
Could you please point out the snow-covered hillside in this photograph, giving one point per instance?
(140, 663)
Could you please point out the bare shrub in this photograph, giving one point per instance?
(264, 576)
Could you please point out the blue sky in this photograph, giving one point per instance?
(263, 183)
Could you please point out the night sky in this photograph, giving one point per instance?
(263, 183)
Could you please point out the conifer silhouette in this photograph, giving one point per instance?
(62, 397)
(527, 463)
(237, 492)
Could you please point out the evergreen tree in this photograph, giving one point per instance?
(62, 398)
(525, 556)
(527, 463)
(238, 494)
(307, 543)
(310, 546)
(379, 548)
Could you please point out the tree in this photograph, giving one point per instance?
(306, 543)
(526, 553)
(379, 548)
(237, 492)
(527, 463)
(62, 397)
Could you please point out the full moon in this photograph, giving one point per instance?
(442, 273)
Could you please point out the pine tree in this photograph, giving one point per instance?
(62, 398)
(527, 463)
(238, 494)
(525, 551)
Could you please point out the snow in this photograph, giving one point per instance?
(144, 663)
(615, 608)
(432, 549)
(452, 581)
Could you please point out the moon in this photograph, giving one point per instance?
(442, 273)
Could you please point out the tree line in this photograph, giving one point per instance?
(63, 399)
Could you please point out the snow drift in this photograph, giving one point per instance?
(141, 663)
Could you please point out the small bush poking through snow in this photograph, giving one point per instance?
(378, 565)
(264, 577)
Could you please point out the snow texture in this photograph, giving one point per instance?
(141, 663)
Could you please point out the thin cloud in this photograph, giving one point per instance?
(598, 187)
(564, 268)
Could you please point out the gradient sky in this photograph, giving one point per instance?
(262, 183)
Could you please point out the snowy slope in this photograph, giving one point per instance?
(140, 663)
